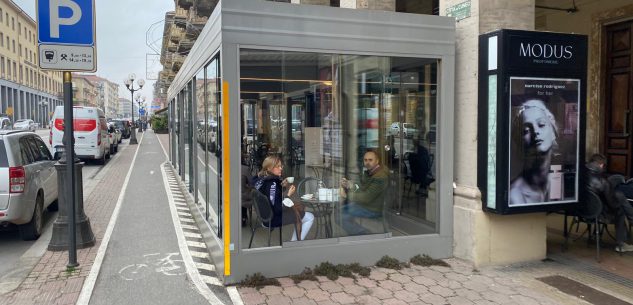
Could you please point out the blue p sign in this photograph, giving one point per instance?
(66, 22)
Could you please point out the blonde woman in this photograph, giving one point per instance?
(269, 182)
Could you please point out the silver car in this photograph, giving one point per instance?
(28, 182)
(25, 124)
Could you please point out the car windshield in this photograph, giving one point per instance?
(20, 121)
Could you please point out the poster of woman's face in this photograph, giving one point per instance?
(543, 141)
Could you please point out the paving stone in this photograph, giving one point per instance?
(484, 302)
(400, 278)
(494, 296)
(432, 299)
(317, 295)
(244, 290)
(286, 282)
(390, 285)
(410, 271)
(458, 300)
(450, 284)
(380, 293)
(502, 289)
(366, 282)
(356, 290)
(394, 302)
(342, 298)
(469, 294)
(456, 277)
(345, 281)
(294, 292)
(406, 296)
(302, 301)
(253, 298)
(482, 279)
(328, 302)
(67, 298)
(386, 270)
(441, 291)
(423, 280)
(270, 290)
(279, 300)
(322, 278)
(308, 285)
(523, 300)
(368, 300)
(415, 288)
(432, 274)
(378, 275)
(476, 286)
(331, 287)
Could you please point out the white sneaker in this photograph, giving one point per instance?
(624, 247)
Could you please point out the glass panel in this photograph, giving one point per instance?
(201, 145)
(355, 135)
(213, 156)
(191, 119)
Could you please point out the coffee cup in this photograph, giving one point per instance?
(290, 180)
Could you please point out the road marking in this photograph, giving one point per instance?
(89, 283)
(193, 273)
(205, 266)
(194, 235)
(196, 244)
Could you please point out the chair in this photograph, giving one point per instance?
(592, 215)
(615, 180)
(264, 212)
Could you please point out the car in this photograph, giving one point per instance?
(28, 182)
(115, 138)
(92, 140)
(25, 124)
(124, 127)
(408, 130)
(5, 123)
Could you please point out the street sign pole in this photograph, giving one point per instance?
(69, 149)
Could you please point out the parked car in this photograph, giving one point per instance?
(25, 124)
(124, 127)
(28, 182)
(114, 136)
(91, 133)
(408, 129)
(5, 123)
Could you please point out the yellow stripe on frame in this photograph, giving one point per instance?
(226, 178)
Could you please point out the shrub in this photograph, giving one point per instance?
(257, 280)
(159, 123)
(425, 260)
(307, 275)
(391, 263)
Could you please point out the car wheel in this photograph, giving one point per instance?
(102, 161)
(54, 206)
(33, 229)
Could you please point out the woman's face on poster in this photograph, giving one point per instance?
(538, 133)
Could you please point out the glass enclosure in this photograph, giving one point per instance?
(357, 136)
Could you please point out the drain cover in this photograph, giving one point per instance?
(581, 290)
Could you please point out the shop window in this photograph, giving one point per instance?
(355, 133)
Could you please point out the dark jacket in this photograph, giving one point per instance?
(271, 187)
(599, 185)
(371, 191)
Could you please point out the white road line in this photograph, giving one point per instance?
(205, 266)
(184, 226)
(211, 280)
(89, 283)
(200, 254)
(234, 295)
(195, 277)
(194, 235)
(196, 244)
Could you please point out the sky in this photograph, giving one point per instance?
(122, 26)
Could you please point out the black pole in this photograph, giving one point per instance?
(69, 150)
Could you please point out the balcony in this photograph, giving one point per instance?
(186, 4)
(176, 34)
(185, 46)
(205, 7)
(171, 46)
(178, 60)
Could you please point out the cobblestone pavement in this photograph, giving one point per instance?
(459, 284)
(49, 282)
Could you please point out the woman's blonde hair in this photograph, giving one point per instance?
(269, 163)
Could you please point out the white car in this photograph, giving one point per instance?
(25, 124)
(408, 129)
(115, 138)
(92, 140)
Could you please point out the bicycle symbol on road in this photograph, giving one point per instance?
(159, 262)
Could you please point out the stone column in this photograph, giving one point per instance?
(384, 5)
(480, 237)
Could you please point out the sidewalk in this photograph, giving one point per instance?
(49, 282)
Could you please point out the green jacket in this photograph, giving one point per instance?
(371, 191)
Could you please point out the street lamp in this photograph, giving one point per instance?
(129, 83)
(140, 100)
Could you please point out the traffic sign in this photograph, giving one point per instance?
(66, 35)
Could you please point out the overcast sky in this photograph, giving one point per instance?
(121, 30)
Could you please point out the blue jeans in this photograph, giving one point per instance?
(351, 211)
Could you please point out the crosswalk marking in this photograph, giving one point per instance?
(199, 254)
(196, 244)
(194, 235)
(211, 280)
(205, 266)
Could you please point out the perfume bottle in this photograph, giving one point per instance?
(556, 181)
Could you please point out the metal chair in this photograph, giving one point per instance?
(590, 214)
(310, 185)
(615, 180)
(264, 212)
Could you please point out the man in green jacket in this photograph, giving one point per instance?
(364, 200)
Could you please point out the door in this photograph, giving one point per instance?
(618, 98)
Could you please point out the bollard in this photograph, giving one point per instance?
(84, 236)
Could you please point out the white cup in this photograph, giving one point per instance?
(290, 180)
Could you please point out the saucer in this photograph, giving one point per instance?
(307, 196)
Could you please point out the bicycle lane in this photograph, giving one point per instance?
(143, 264)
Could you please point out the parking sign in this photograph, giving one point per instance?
(66, 35)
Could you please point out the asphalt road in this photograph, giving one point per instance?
(17, 255)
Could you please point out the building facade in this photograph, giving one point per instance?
(85, 92)
(26, 92)
(125, 108)
(107, 95)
